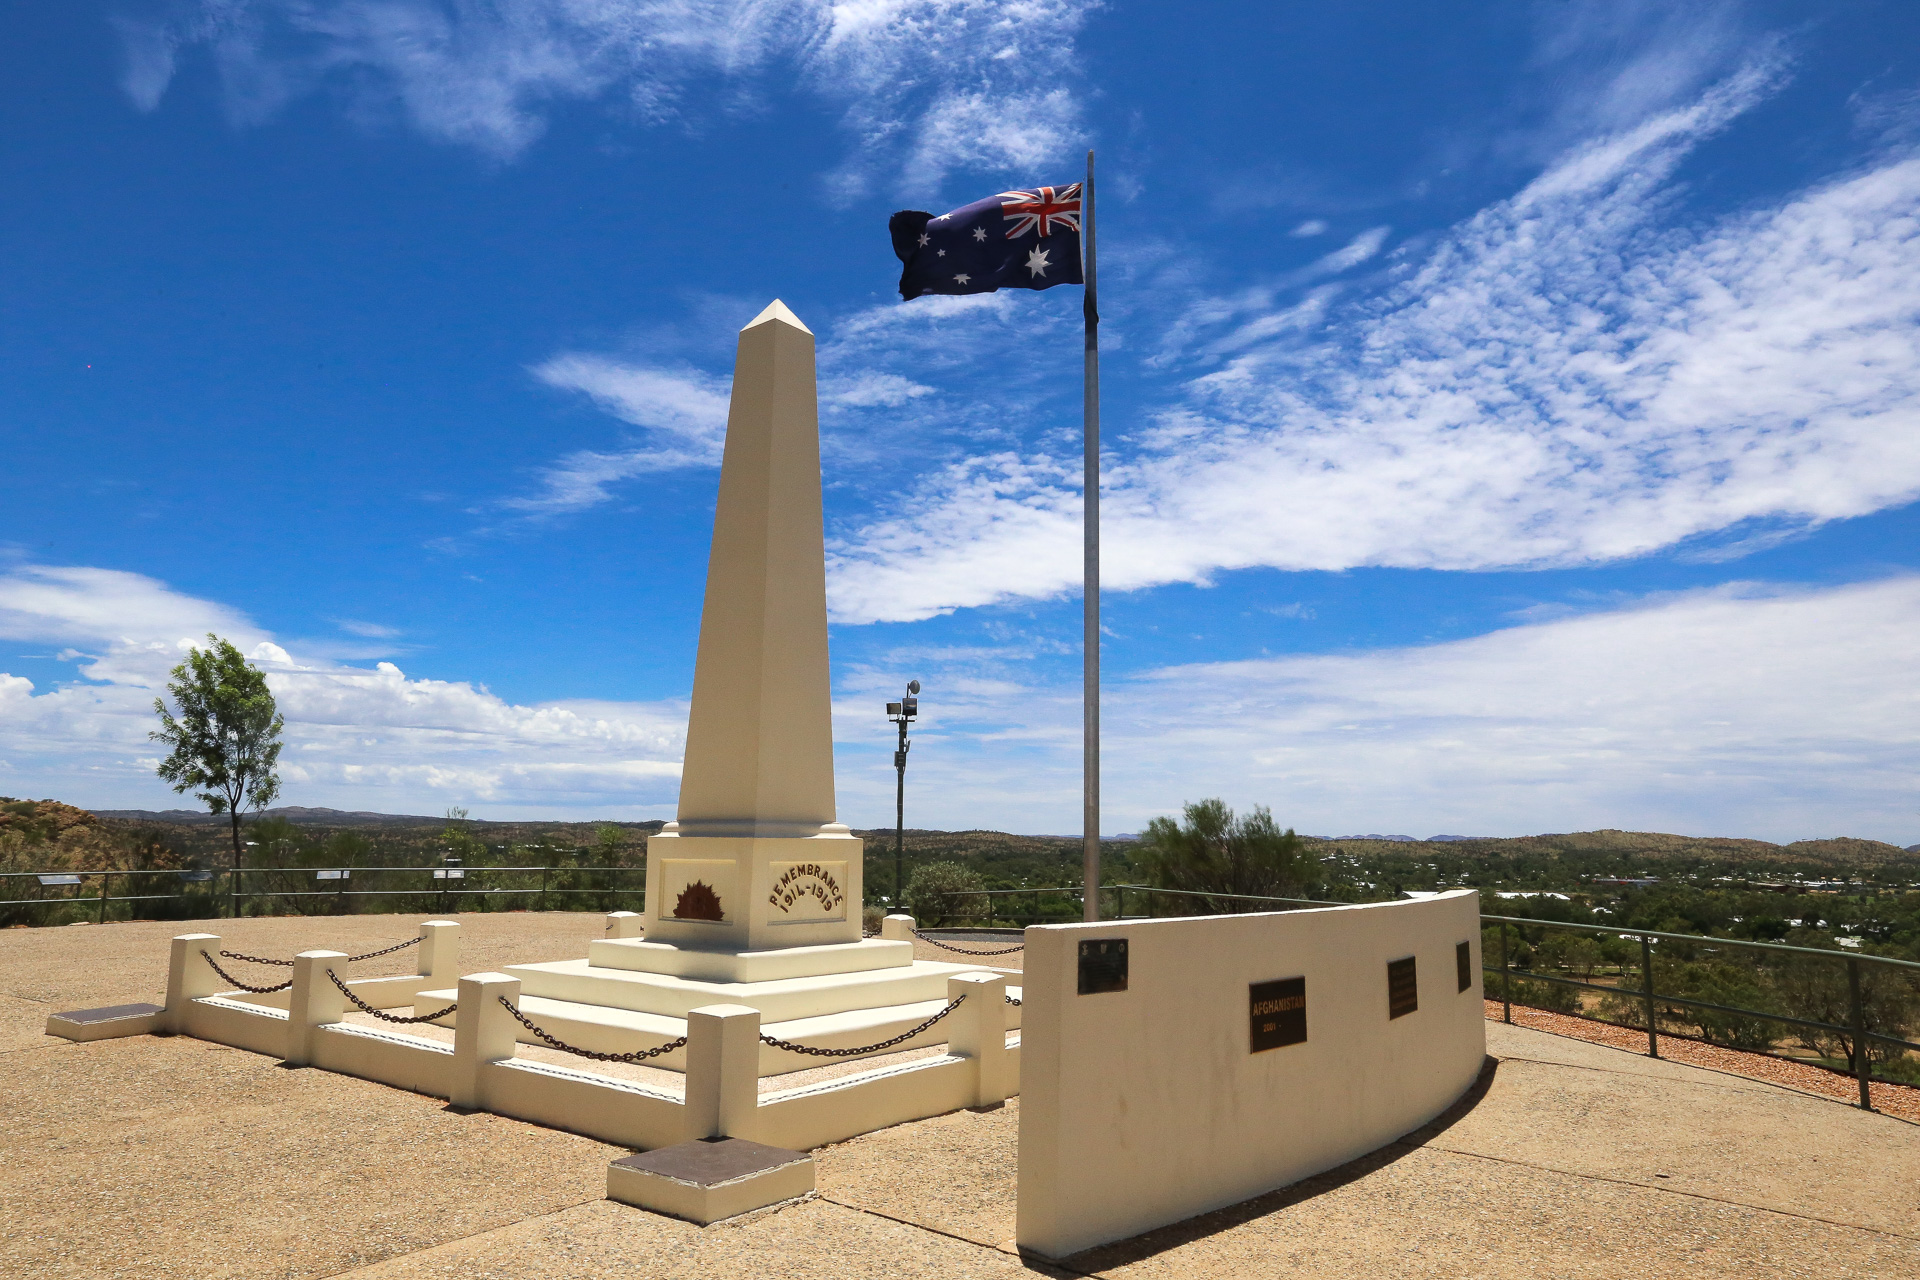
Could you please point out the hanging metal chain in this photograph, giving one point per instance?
(258, 991)
(902, 1038)
(1004, 951)
(385, 951)
(235, 955)
(640, 1055)
(382, 1014)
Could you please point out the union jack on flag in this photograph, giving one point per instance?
(1024, 239)
(1042, 208)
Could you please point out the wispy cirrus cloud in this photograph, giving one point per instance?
(923, 85)
(683, 410)
(1568, 377)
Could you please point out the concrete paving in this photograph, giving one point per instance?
(170, 1157)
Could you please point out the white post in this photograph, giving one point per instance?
(439, 950)
(189, 977)
(897, 928)
(313, 1002)
(625, 924)
(483, 1032)
(980, 1032)
(723, 1071)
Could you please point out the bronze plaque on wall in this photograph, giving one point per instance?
(1103, 965)
(1463, 961)
(1403, 988)
(1276, 1014)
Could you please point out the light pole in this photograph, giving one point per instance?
(901, 713)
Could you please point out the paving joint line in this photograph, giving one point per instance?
(1648, 1186)
(1718, 1071)
(441, 1244)
(990, 1248)
(1615, 1071)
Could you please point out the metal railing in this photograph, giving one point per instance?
(1856, 1030)
(1651, 999)
(1119, 892)
(212, 886)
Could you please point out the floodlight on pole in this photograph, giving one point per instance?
(901, 713)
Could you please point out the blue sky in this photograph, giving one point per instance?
(1512, 408)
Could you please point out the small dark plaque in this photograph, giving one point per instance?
(1103, 965)
(1463, 963)
(1276, 1013)
(1403, 988)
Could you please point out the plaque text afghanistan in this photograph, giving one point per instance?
(1276, 1014)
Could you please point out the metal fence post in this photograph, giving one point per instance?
(1506, 977)
(1860, 1067)
(1646, 989)
(104, 877)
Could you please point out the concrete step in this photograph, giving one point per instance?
(777, 1001)
(695, 964)
(607, 1030)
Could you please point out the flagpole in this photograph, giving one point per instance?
(1090, 623)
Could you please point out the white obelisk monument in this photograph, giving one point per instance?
(756, 860)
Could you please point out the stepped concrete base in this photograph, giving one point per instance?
(710, 1179)
(703, 965)
(778, 1000)
(607, 1030)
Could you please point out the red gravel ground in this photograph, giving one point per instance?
(1892, 1099)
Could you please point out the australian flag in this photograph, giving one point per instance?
(1015, 240)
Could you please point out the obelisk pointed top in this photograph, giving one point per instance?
(777, 310)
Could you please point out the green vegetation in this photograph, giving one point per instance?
(941, 893)
(1213, 851)
(226, 739)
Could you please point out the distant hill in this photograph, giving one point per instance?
(292, 813)
(1839, 853)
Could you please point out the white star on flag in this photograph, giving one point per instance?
(1037, 262)
(924, 237)
(980, 233)
(962, 278)
(941, 252)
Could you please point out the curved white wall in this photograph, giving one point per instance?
(1143, 1107)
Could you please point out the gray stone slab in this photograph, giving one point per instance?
(86, 1017)
(708, 1162)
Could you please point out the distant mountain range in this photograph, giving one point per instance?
(1415, 839)
(292, 813)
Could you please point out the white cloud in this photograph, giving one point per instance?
(1780, 714)
(1311, 227)
(684, 409)
(1566, 378)
(924, 84)
(356, 738)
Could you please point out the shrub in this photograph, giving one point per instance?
(927, 887)
(1213, 851)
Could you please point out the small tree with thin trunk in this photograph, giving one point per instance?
(1215, 851)
(226, 738)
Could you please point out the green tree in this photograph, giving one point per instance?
(1215, 851)
(609, 842)
(459, 839)
(928, 891)
(226, 739)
